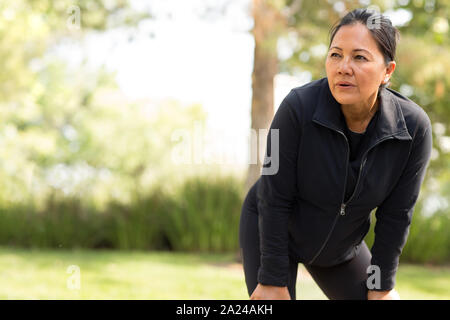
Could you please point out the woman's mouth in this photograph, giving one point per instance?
(345, 86)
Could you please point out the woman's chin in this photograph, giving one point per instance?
(345, 99)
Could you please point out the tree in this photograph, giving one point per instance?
(39, 99)
(268, 24)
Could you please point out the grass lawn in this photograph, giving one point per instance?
(43, 274)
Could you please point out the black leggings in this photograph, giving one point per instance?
(344, 281)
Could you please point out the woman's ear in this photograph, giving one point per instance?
(389, 70)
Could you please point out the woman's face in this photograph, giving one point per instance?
(354, 57)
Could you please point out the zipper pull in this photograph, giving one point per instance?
(343, 209)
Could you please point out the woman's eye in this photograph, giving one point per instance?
(358, 57)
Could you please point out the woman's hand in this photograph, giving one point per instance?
(265, 292)
(383, 295)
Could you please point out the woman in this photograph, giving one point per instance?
(347, 145)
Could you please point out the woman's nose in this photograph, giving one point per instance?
(344, 67)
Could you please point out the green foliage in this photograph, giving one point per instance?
(202, 215)
(87, 132)
(50, 112)
(207, 217)
(428, 240)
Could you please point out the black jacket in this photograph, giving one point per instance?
(300, 193)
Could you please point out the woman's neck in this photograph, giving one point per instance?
(358, 117)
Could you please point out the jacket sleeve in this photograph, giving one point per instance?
(277, 193)
(393, 216)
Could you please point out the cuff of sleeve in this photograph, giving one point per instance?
(386, 285)
(274, 271)
(381, 278)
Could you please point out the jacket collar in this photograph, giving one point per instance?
(390, 120)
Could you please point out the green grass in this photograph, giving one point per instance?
(42, 274)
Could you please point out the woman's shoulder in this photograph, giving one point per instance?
(310, 89)
(305, 96)
(414, 114)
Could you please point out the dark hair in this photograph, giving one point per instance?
(380, 26)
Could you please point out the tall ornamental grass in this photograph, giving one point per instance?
(201, 215)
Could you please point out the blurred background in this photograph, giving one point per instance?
(130, 132)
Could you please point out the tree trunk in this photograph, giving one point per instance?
(265, 66)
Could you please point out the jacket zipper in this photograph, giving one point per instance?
(344, 204)
(342, 211)
(364, 159)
